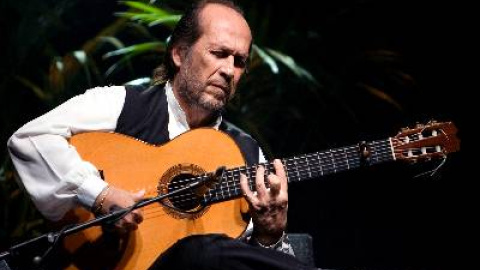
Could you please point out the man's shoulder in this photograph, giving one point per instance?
(136, 87)
(248, 145)
(229, 127)
(145, 90)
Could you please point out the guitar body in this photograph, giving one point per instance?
(133, 165)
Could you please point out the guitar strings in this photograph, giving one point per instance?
(303, 169)
(233, 179)
(299, 169)
(352, 150)
(318, 159)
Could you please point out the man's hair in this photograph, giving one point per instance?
(186, 33)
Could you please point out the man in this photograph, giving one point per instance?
(205, 59)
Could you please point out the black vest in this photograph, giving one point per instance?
(145, 117)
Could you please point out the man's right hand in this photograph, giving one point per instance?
(112, 198)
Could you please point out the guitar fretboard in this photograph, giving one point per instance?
(303, 167)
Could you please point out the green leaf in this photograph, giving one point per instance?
(81, 56)
(266, 58)
(117, 43)
(145, 7)
(138, 49)
(131, 51)
(144, 17)
(151, 19)
(292, 65)
(117, 64)
(168, 20)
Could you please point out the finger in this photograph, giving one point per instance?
(120, 226)
(139, 195)
(130, 224)
(137, 216)
(245, 187)
(275, 185)
(132, 227)
(280, 172)
(138, 213)
(260, 183)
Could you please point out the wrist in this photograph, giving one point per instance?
(270, 241)
(100, 200)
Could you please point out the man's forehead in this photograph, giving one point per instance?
(216, 17)
(225, 30)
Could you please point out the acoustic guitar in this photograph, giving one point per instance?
(133, 165)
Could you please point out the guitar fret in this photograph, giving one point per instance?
(373, 151)
(306, 170)
(285, 162)
(313, 169)
(247, 173)
(308, 166)
(341, 161)
(333, 161)
(221, 190)
(296, 168)
(346, 157)
(211, 196)
(237, 190)
(236, 181)
(380, 151)
(207, 196)
(319, 162)
(228, 185)
(252, 179)
(326, 163)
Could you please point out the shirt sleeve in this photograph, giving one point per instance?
(51, 169)
(282, 245)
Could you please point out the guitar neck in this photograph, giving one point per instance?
(307, 166)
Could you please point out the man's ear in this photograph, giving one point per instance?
(177, 56)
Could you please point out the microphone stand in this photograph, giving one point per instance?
(52, 238)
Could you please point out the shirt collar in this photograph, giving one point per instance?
(178, 113)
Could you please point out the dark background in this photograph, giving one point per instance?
(378, 217)
(382, 217)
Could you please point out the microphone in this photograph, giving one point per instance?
(212, 179)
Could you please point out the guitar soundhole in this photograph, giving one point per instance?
(187, 200)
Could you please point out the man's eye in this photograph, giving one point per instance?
(220, 54)
(240, 62)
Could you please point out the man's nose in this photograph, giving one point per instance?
(228, 66)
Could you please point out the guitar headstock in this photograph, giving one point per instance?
(426, 141)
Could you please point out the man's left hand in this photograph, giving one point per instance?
(268, 206)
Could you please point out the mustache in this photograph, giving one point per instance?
(227, 86)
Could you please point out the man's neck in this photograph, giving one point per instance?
(195, 115)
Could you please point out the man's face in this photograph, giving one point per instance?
(210, 70)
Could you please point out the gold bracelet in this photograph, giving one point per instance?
(102, 200)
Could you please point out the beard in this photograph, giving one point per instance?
(194, 92)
